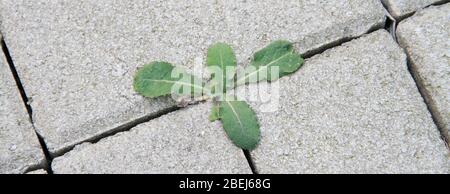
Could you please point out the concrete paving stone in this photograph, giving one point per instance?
(352, 109)
(76, 58)
(19, 147)
(402, 8)
(184, 141)
(426, 39)
(40, 171)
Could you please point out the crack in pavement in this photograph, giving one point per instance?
(390, 25)
(392, 28)
(24, 97)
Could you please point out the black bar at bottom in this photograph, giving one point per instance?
(222, 183)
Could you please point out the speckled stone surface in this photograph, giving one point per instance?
(426, 39)
(352, 109)
(180, 142)
(402, 8)
(76, 58)
(19, 146)
(40, 171)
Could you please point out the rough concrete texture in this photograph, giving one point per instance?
(76, 58)
(426, 39)
(353, 109)
(40, 171)
(19, 146)
(402, 8)
(184, 141)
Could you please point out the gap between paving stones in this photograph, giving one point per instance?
(107, 100)
(49, 158)
(380, 97)
(127, 126)
(391, 26)
(28, 108)
(414, 12)
(320, 50)
(392, 23)
(249, 158)
(423, 92)
(252, 166)
(379, 23)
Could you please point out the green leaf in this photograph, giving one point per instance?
(277, 54)
(214, 116)
(161, 78)
(240, 124)
(221, 62)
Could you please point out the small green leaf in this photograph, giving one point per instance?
(214, 116)
(159, 78)
(277, 54)
(221, 62)
(240, 124)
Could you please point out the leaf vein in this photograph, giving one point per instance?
(174, 82)
(264, 66)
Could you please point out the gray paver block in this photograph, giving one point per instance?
(184, 141)
(353, 109)
(402, 8)
(19, 146)
(76, 58)
(426, 39)
(40, 171)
